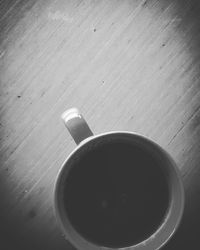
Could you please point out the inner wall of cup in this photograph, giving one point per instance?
(95, 142)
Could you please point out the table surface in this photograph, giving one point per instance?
(127, 65)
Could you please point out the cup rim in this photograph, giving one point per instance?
(164, 232)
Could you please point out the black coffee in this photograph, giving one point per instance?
(116, 194)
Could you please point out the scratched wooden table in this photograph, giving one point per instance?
(127, 65)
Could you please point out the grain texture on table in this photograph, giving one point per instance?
(127, 65)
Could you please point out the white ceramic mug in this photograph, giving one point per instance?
(85, 140)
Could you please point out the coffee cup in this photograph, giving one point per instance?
(117, 190)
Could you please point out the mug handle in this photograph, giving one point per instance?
(76, 125)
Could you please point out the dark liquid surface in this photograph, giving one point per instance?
(116, 195)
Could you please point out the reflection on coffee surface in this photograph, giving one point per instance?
(116, 195)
